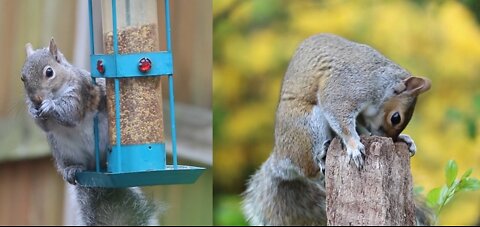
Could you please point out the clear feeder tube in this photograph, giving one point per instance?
(141, 114)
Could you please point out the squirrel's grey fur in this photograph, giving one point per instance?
(63, 104)
(332, 87)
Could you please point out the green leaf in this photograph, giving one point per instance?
(451, 172)
(443, 195)
(451, 192)
(469, 184)
(467, 173)
(433, 196)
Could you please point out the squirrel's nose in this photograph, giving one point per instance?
(37, 101)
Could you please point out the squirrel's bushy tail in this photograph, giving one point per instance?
(115, 206)
(423, 214)
(272, 200)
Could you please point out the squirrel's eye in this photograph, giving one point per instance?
(48, 72)
(395, 118)
(22, 78)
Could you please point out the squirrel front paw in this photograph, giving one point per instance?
(409, 141)
(46, 108)
(356, 152)
(69, 173)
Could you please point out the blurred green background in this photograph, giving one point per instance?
(255, 39)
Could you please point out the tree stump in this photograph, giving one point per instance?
(379, 194)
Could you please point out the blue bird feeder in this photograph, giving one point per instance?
(133, 64)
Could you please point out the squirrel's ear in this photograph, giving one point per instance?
(53, 50)
(29, 49)
(417, 85)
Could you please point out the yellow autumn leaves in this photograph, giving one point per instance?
(255, 39)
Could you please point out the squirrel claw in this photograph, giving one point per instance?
(69, 174)
(320, 157)
(412, 148)
(46, 107)
(357, 155)
(358, 162)
(325, 146)
(321, 163)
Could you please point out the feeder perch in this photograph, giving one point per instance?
(133, 64)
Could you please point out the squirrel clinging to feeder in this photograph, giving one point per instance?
(63, 101)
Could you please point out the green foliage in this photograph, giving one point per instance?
(467, 117)
(254, 41)
(227, 211)
(474, 6)
(439, 197)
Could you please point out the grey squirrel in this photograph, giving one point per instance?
(63, 101)
(332, 86)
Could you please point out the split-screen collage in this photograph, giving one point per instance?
(239, 112)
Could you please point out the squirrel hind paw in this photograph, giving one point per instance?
(321, 156)
(69, 174)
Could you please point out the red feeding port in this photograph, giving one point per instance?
(144, 65)
(100, 67)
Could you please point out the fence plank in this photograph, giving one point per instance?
(31, 193)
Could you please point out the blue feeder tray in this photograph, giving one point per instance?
(181, 175)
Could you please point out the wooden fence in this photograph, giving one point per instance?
(31, 192)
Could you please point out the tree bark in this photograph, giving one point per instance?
(379, 194)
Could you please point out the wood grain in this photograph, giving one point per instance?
(379, 194)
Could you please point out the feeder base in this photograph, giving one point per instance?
(181, 175)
